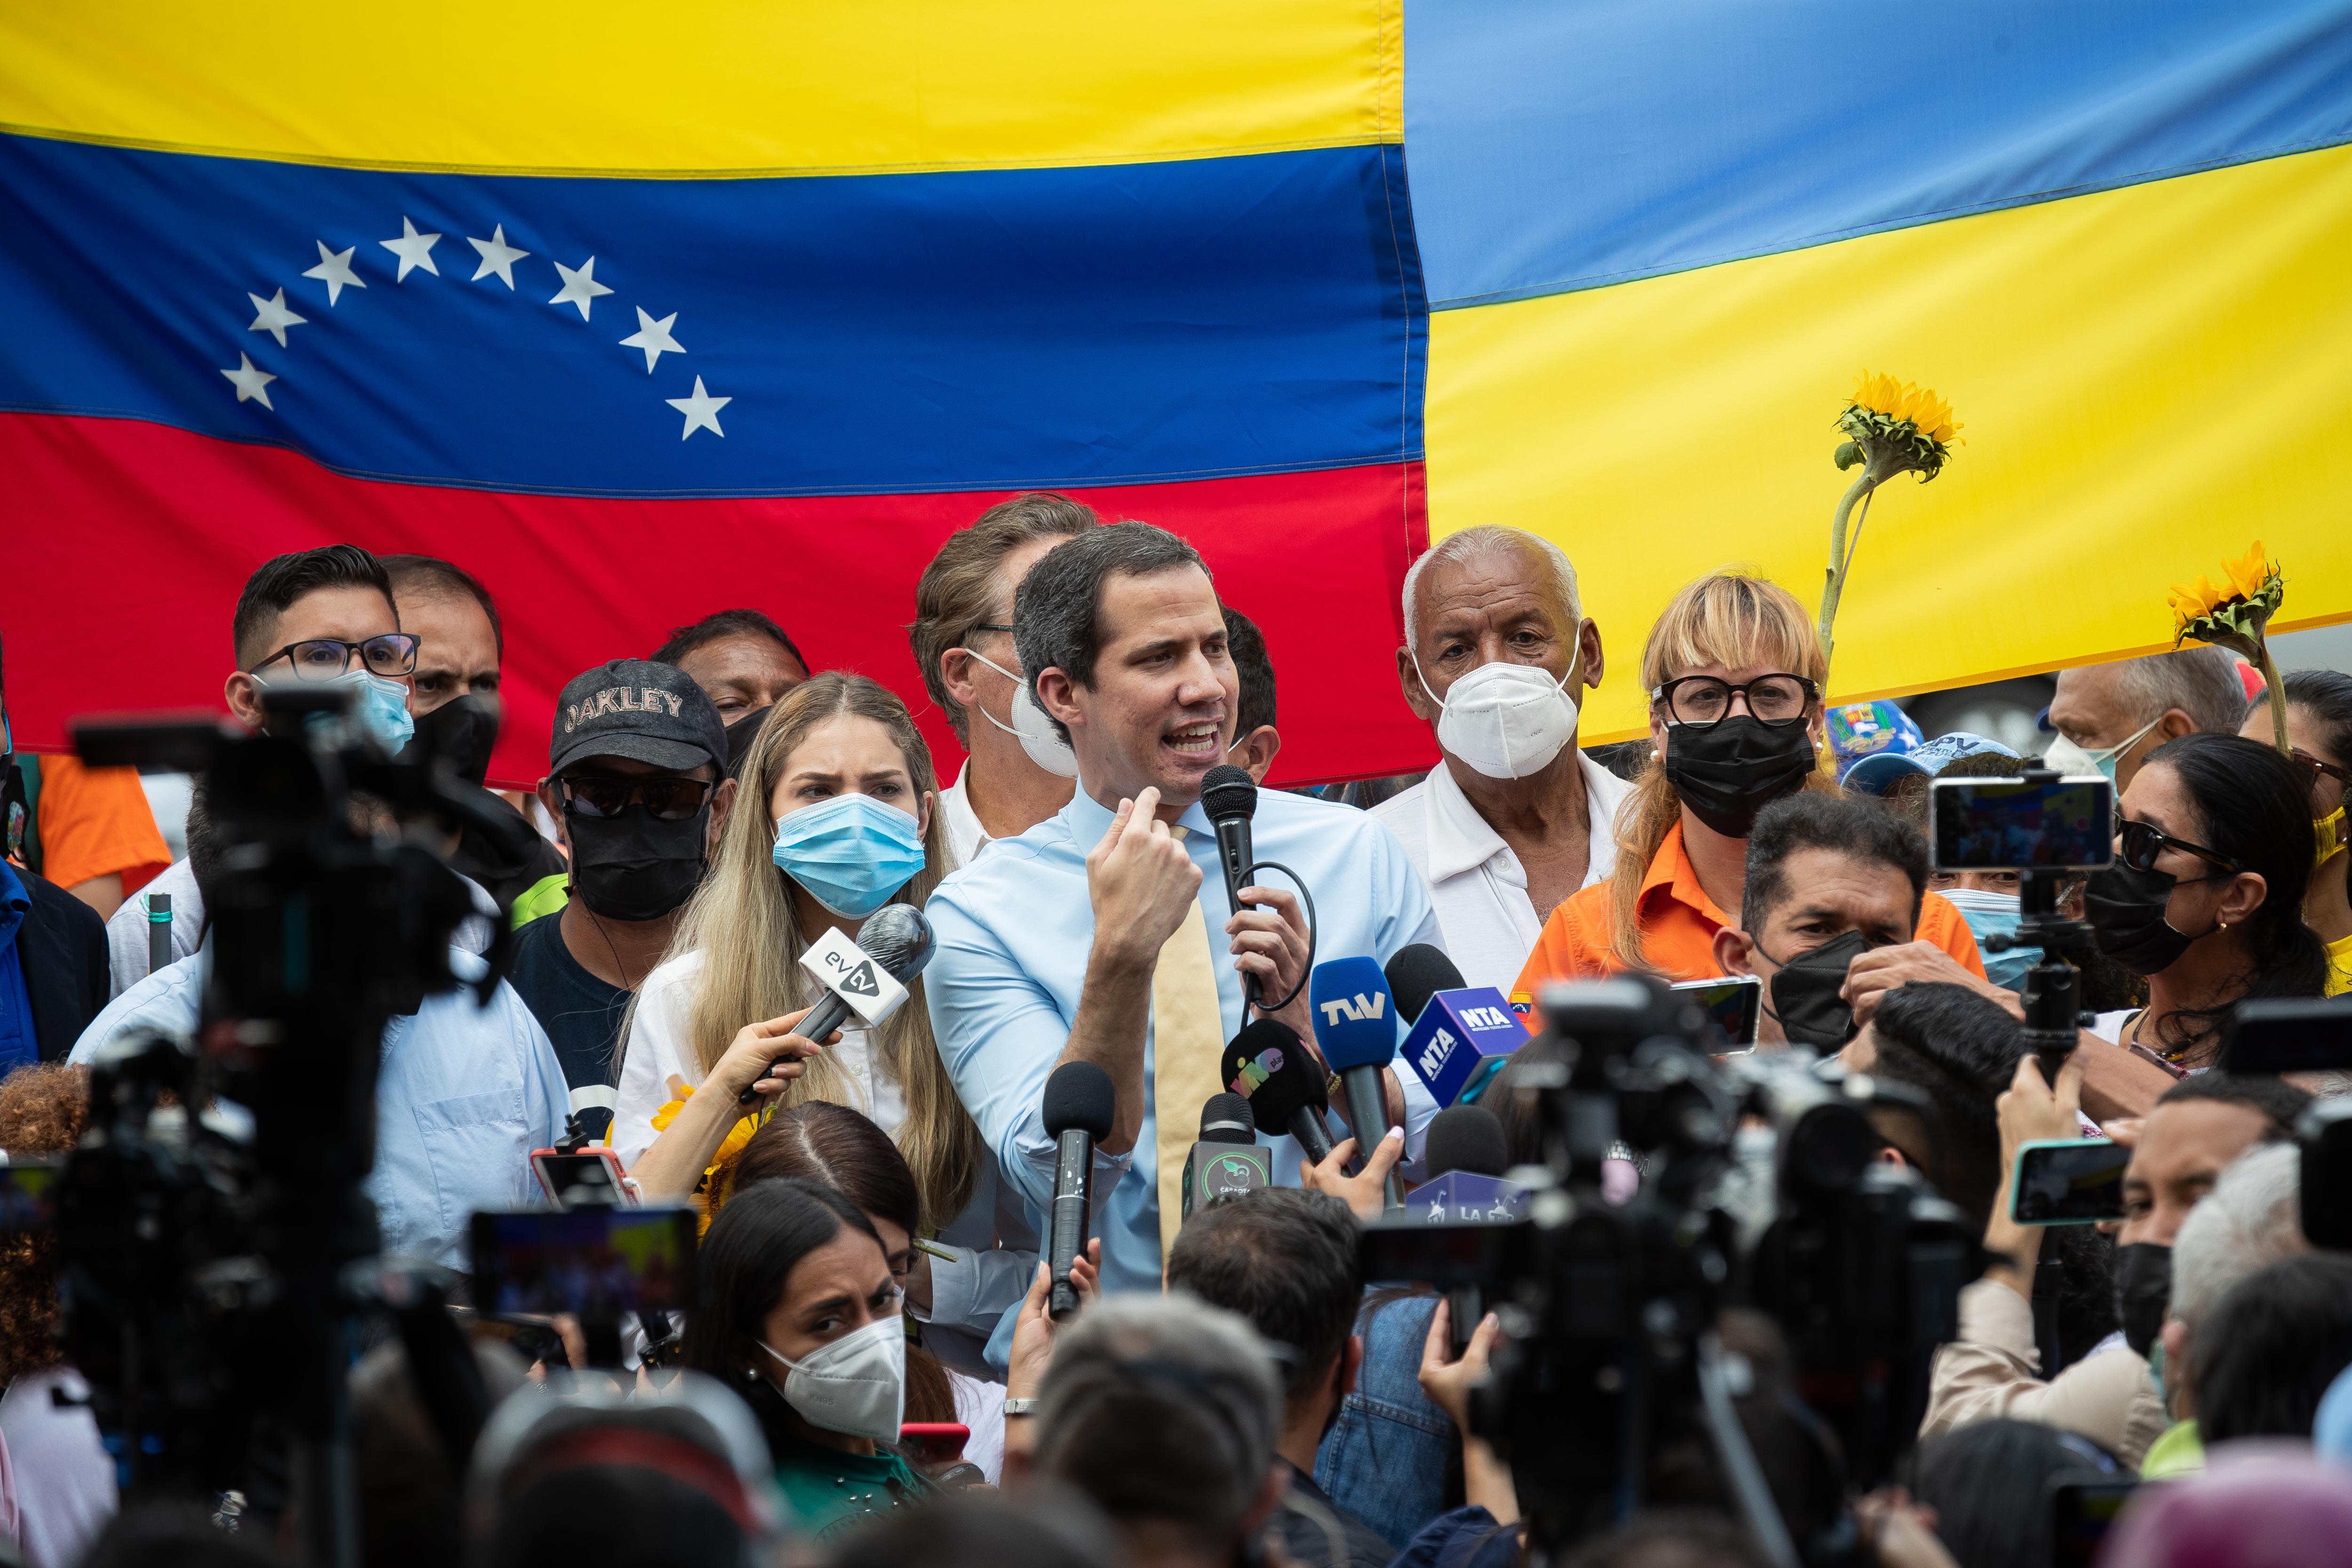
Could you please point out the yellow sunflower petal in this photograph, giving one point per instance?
(2248, 573)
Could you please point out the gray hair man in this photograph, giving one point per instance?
(1514, 817)
(2110, 717)
(2251, 1219)
(1166, 1412)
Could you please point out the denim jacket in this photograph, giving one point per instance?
(1387, 1457)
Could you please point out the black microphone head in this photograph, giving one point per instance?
(1466, 1138)
(1228, 793)
(1415, 974)
(1226, 1119)
(1079, 1096)
(1267, 1064)
(899, 938)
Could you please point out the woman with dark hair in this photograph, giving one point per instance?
(1986, 1483)
(2319, 728)
(2205, 897)
(2259, 1366)
(796, 1311)
(830, 1144)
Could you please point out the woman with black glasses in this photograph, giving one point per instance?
(2319, 728)
(2205, 897)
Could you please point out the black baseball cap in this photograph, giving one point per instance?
(647, 713)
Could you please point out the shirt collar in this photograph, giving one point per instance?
(1461, 840)
(1672, 874)
(1089, 819)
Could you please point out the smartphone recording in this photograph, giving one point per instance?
(2009, 824)
(1731, 1004)
(2301, 1034)
(2069, 1181)
(594, 1262)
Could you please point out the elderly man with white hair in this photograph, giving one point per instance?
(1514, 817)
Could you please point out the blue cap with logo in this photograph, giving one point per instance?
(1862, 730)
(1872, 774)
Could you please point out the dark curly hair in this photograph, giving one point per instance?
(42, 1112)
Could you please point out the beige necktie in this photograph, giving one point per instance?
(1188, 1043)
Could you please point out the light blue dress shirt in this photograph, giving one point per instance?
(1015, 928)
(463, 1095)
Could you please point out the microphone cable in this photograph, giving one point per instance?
(1313, 928)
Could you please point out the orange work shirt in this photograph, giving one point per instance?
(95, 822)
(1678, 922)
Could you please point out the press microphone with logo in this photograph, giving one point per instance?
(1078, 1106)
(1269, 1065)
(1468, 1149)
(868, 977)
(1459, 1034)
(1355, 1023)
(1227, 1161)
(1229, 797)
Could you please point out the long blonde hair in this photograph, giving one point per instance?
(741, 921)
(1732, 619)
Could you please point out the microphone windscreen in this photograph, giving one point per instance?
(1226, 1119)
(1227, 793)
(1466, 1138)
(1355, 1016)
(899, 938)
(1266, 1065)
(1079, 1096)
(1418, 973)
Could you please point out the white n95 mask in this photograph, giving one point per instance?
(856, 1384)
(1031, 727)
(1506, 720)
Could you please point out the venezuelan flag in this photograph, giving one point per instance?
(638, 314)
(1662, 237)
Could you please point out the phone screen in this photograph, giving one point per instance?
(1731, 1004)
(28, 1195)
(578, 1181)
(2081, 1514)
(1999, 824)
(2073, 1181)
(2289, 1035)
(593, 1262)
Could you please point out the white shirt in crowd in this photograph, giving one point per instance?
(1478, 883)
(966, 837)
(64, 1477)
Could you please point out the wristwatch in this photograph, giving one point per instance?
(1021, 1407)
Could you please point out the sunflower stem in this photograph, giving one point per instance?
(1840, 556)
(2277, 694)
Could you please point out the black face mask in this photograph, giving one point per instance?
(635, 866)
(1805, 994)
(1735, 767)
(2125, 909)
(462, 730)
(2143, 1293)
(740, 736)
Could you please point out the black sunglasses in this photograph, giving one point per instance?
(665, 796)
(2137, 844)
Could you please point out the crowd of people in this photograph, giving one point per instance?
(1233, 1388)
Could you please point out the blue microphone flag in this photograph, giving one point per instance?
(1355, 1016)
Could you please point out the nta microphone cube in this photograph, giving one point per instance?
(1461, 1041)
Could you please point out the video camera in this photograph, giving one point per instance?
(1761, 1187)
(213, 1236)
(2043, 827)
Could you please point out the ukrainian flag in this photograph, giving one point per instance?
(638, 312)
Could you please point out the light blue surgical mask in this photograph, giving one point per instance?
(380, 706)
(2068, 758)
(853, 853)
(1995, 914)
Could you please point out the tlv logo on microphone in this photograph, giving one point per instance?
(1354, 1021)
(1358, 1008)
(1461, 1041)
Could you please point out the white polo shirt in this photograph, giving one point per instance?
(1480, 888)
(966, 837)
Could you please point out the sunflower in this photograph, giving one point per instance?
(729, 1146)
(2236, 614)
(1892, 427)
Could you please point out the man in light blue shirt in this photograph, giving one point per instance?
(1048, 943)
(463, 1095)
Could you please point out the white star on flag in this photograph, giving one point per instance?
(414, 250)
(702, 410)
(654, 338)
(498, 256)
(274, 318)
(253, 383)
(579, 287)
(335, 269)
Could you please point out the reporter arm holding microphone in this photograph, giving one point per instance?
(1105, 935)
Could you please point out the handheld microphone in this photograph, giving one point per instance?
(1355, 1023)
(1078, 1106)
(1227, 1160)
(868, 977)
(1461, 1035)
(1267, 1064)
(1468, 1152)
(1229, 797)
